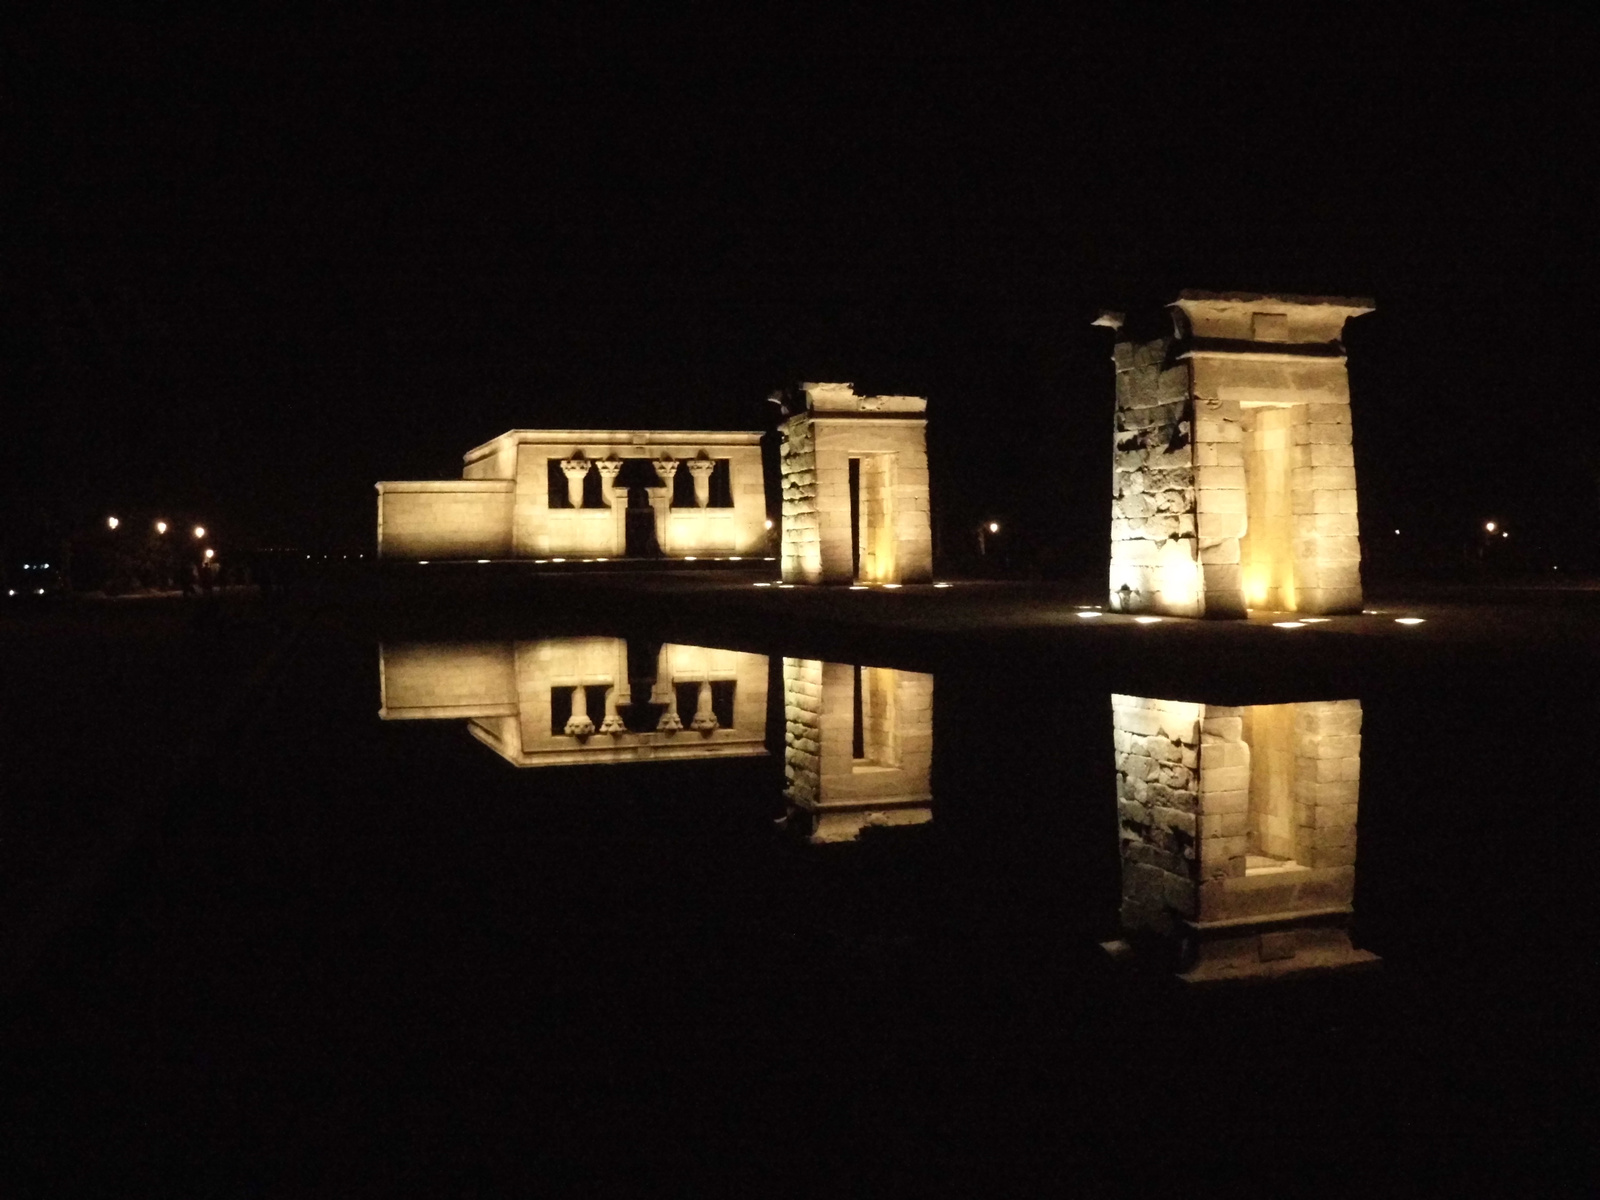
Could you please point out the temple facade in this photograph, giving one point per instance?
(855, 487)
(586, 493)
(1233, 481)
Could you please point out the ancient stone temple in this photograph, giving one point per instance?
(855, 487)
(1238, 834)
(858, 747)
(1234, 483)
(569, 701)
(586, 493)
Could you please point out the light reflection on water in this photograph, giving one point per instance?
(1236, 823)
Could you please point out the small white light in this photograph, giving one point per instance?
(1084, 616)
(1489, 525)
(761, 585)
(421, 562)
(786, 585)
(1288, 624)
(483, 560)
(541, 560)
(769, 558)
(44, 566)
(558, 560)
(941, 585)
(858, 587)
(735, 558)
(199, 531)
(1507, 533)
(688, 558)
(1313, 620)
(39, 592)
(210, 554)
(1397, 533)
(161, 527)
(112, 522)
(768, 523)
(1147, 620)
(603, 558)
(1408, 620)
(994, 526)
(891, 585)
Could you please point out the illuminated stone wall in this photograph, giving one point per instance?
(887, 437)
(512, 694)
(1233, 483)
(832, 792)
(1238, 832)
(502, 507)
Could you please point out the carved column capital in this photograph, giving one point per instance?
(701, 469)
(666, 467)
(575, 469)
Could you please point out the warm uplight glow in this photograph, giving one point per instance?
(786, 585)
(558, 560)
(858, 587)
(1408, 620)
(1084, 616)
(1147, 620)
(161, 526)
(199, 531)
(891, 585)
(1288, 624)
(941, 585)
(735, 558)
(761, 585)
(688, 558)
(768, 522)
(483, 560)
(1313, 620)
(210, 554)
(421, 562)
(112, 522)
(1489, 526)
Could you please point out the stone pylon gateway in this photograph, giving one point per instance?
(1233, 482)
(855, 487)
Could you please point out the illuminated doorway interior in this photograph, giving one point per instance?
(874, 722)
(872, 532)
(1266, 551)
(1269, 734)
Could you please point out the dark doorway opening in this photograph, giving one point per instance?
(855, 525)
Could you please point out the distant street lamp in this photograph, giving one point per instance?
(1488, 526)
(199, 531)
(984, 531)
(161, 526)
(210, 554)
(112, 522)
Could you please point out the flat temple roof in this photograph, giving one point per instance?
(617, 437)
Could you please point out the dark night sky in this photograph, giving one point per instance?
(250, 269)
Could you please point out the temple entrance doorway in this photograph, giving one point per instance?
(872, 532)
(1266, 551)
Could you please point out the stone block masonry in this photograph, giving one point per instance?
(1237, 832)
(1233, 469)
(834, 441)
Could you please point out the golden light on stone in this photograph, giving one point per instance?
(1233, 470)
(1146, 620)
(1237, 829)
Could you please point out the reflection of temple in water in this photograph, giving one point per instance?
(858, 747)
(561, 701)
(1238, 833)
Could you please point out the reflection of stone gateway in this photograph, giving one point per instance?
(535, 703)
(1234, 483)
(858, 747)
(1238, 833)
(535, 493)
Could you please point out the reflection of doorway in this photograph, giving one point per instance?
(872, 541)
(1269, 737)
